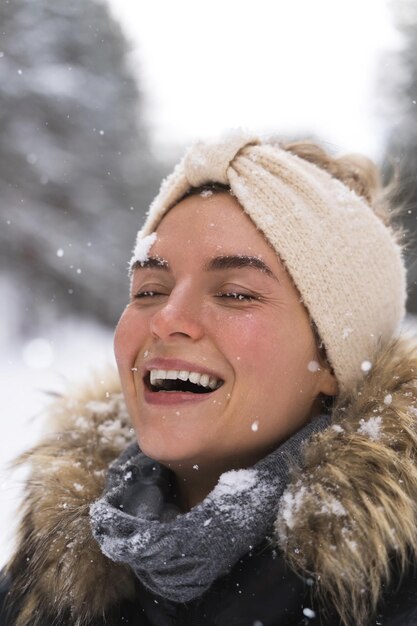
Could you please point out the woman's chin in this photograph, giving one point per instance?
(167, 450)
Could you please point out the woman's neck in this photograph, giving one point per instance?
(193, 488)
(193, 482)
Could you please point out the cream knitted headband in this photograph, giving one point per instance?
(344, 261)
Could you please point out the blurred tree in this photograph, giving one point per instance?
(400, 85)
(76, 169)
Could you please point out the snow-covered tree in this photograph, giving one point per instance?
(400, 84)
(76, 170)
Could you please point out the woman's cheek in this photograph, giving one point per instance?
(243, 334)
(127, 339)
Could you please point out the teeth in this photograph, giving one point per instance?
(205, 380)
(157, 376)
(194, 377)
(213, 382)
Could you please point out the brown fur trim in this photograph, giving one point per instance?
(58, 569)
(353, 509)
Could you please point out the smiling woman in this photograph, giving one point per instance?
(273, 404)
(219, 305)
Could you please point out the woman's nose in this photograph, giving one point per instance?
(179, 315)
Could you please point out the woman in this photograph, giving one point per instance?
(270, 476)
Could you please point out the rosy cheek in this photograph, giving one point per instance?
(246, 335)
(126, 340)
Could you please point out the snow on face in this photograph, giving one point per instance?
(142, 247)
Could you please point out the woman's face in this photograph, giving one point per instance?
(216, 300)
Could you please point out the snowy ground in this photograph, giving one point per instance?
(30, 371)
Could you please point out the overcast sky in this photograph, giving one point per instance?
(286, 66)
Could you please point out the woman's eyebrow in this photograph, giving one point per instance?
(239, 261)
(152, 262)
(235, 261)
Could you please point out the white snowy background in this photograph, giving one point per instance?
(277, 66)
(270, 65)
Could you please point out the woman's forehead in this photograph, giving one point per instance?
(215, 222)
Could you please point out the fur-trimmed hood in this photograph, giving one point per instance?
(341, 520)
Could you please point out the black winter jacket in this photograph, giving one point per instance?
(260, 591)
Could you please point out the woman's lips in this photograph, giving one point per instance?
(174, 397)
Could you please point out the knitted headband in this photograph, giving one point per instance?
(344, 261)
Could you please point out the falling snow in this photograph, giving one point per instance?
(38, 354)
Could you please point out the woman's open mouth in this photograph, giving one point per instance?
(169, 387)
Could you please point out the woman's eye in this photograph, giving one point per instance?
(147, 294)
(235, 295)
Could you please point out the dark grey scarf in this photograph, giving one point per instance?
(179, 555)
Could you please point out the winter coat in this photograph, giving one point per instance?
(345, 532)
